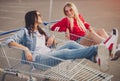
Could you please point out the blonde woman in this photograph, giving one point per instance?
(77, 29)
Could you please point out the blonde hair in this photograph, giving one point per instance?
(75, 10)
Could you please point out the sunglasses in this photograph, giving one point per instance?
(70, 10)
(38, 15)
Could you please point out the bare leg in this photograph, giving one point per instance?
(101, 32)
(95, 37)
(87, 41)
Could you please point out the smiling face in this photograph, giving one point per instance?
(69, 11)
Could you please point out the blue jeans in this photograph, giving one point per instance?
(70, 50)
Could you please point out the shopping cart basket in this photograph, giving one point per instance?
(65, 70)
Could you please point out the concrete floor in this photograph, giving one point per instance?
(99, 13)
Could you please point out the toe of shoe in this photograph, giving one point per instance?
(117, 55)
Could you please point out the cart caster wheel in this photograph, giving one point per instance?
(32, 79)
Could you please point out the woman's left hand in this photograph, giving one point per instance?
(50, 41)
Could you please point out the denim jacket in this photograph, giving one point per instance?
(22, 37)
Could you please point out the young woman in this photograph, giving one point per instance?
(77, 29)
(35, 43)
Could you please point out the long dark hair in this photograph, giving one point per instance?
(30, 19)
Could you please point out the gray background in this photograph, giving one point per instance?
(99, 13)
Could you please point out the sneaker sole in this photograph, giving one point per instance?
(112, 45)
(115, 32)
(103, 57)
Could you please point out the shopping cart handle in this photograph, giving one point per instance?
(46, 22)
(10, 31)
(15, 30)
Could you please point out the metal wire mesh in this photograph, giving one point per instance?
(65, 70)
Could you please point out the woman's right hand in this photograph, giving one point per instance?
(28, 55)
(67, 34)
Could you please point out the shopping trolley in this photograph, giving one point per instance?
(65, 70)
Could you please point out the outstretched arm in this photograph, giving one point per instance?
(27, 52)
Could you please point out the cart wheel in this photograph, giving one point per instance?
(46, 79)
(32, 79)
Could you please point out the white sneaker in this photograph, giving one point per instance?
(117, 54)
(111, 42)
(103, 57)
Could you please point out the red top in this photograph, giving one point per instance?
(65, 23)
